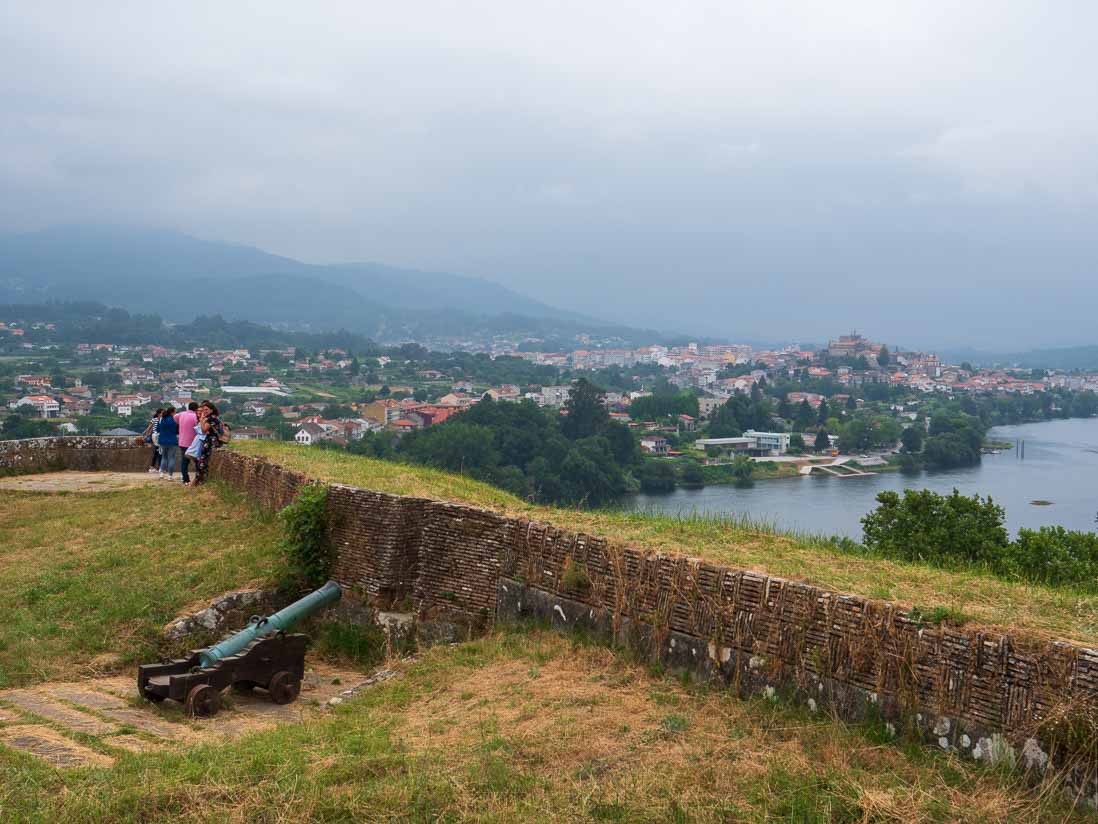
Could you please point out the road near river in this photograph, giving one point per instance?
(1060, 465)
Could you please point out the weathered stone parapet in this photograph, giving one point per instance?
(87, 453)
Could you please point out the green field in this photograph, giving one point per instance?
(90, 579)
(984, 600)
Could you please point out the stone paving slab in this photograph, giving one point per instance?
(38, 704)
(109, 704)
(52, 747)
(77, 481)
(146, 721)
(92, 699)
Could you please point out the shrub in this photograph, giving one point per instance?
(952, 530)
(1053, 555)
(306, 542)
(940, 529)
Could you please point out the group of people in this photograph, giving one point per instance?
(179, 437)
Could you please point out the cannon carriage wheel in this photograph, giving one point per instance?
(203, 701)
(284, 687)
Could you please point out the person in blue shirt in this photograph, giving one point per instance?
(168, 437)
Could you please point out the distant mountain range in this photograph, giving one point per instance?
(180, 277)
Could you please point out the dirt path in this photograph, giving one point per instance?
(77, 481)
(108, 718)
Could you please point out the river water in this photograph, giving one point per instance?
(1060, 465)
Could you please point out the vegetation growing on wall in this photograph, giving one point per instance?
(306, 537)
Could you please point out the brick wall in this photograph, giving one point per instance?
(976, 692)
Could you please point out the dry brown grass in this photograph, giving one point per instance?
(586, 725)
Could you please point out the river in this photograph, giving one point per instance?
(1060, 465)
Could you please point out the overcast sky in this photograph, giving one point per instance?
(924, 171)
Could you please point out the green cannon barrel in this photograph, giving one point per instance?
(279, 622)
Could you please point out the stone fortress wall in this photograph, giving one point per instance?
(987, 695)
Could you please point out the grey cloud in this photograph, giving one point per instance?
(755, 170)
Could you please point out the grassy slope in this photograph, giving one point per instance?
(983, 599)
(525, 725)
(88, 580)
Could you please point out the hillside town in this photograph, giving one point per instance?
(337, 397)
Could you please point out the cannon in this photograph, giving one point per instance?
(260, 655)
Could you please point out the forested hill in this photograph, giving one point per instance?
(181, 277)
(90, 322)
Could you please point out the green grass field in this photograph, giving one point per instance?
(984, 600)
(88, 580)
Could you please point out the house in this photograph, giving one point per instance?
(41, 405)
(687, 423)
(381, 412)
(726, 446)
(554, 396)
(707, 406)
(39, 381)
(456, 399)
(654, 445)
(768, 443)
(309, 434)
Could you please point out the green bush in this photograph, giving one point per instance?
(362, 646)
(945, 530)
(306, 541)
(956, 530)
(1054, 555)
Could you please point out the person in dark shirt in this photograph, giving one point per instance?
(168, 435)
(214, 433)
(150, 430)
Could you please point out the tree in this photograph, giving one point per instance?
(912, 439)
(949, 450)
(742, 468)
(796, 443)
(822, 412)
(805, 416)
(851, 404)
(883, 357)
(822, 442)
(693, 477)
(457, 446)
(586, 413)
(657, 476)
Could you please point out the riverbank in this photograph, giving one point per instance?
(721, 474)
(1060, 464)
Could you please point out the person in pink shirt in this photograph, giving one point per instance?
(188, 423)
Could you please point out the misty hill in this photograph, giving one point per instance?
(1065, 357)
(180, 277)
